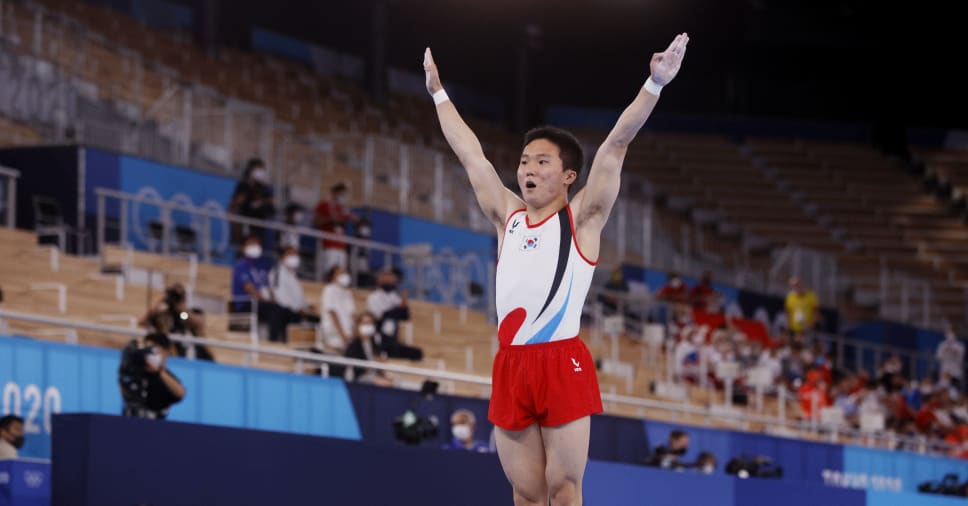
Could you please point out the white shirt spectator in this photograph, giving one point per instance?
(339, 300)
(772, 363)
(286, 288)
(951, 354)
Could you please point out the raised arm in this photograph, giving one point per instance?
(495, 200)
(595, 200)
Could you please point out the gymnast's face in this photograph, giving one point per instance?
(541, 174)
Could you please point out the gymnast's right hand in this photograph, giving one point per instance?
(430, 69)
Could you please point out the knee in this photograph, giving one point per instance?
(522, 498)
(565, 492)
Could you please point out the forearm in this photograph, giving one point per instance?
(460, 137)
(632, 119)
(172, 384)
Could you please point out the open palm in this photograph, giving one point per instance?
(665, 65)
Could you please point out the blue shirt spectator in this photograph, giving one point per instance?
(462, 424)
(250, 276)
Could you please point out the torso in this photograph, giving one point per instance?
(542, 280)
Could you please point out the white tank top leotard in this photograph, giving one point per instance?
(542, 280)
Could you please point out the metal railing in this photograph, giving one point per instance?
(709, 413)
(444, 276)
(8, 196)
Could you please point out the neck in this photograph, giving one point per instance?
(539, 214)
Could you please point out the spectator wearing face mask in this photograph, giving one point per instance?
(11, 436)
(706, 463)
(295, 216)
(674, 290)
(389, 305)
(337, 306)
(670, 455)
(463, 424)
(288, 292)
(252, 198)
(361, 255)
(332, 217)
(250, 280)
(703, 296)
(362, 347)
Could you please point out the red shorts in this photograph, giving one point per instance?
(549, 383)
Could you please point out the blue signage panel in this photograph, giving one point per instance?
(41, 378)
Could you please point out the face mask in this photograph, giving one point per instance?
(675, 283)
(343, 279)
(18, 442)
(291, 261)
(298, 218)
(340, 199)
(461, 432)
(680, 452)
(388, 287)
(153, 360)
(253, 251)
(708, 469)
(364, 231)
(260, 175)
(367, 330)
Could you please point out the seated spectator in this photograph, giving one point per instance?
(252, 198)
(688, 353)
(889, 375)
(250, 283)
(171, 315)
(813, 395)
(802, 307)
(674, 291)
(670, 455)
(951, 355)
(332, 217)
(390, 307)
(11, 436)
(338, 308)
(362, 347)
(463, 424)
(703, 296)
(706, 463)
(288, 292)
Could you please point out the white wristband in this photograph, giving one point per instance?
(440, 96)
(652, 87)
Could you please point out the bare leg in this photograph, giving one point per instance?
(566, 452)
(522, 455)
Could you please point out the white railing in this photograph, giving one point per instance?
(8, 196)
(798, 428)
(817, 270)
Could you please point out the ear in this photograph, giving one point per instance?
(570, 176)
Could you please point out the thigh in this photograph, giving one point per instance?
(522, 455)
(566, 450)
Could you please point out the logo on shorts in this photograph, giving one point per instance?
(530, 243)
(577, 364)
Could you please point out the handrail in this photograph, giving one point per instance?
(800, 427)
(11, 198)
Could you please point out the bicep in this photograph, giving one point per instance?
(594, 202)
(495, 199)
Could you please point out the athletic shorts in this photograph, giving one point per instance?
(549, 384)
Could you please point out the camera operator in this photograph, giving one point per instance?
(670, 455)
(148, 388)
(171, 315)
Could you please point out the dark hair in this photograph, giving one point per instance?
(251, 165)
(677, 434)
(570, 151)
(338, 188)
(252, 237)
(331, 273)
(8, 420)
(360, 316)
(160, 339)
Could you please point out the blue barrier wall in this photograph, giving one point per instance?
(41, 379)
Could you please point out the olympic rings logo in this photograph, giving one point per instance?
(146, 207)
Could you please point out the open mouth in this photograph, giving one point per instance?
(530, 184)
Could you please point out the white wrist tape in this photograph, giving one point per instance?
(440, 96)
(652, 87)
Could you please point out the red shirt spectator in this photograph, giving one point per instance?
(813, 393)
(332, 216)
(674, 290)
(703, 296)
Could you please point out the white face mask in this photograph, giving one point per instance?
(253, 251)
(364, 232)
(676, 283)
(297, 218)
(367, 329)
(261, 175)
(154, 360)
(340, 199)
(709, 469)
(291, 261)
(461, 431)
(343, 279)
